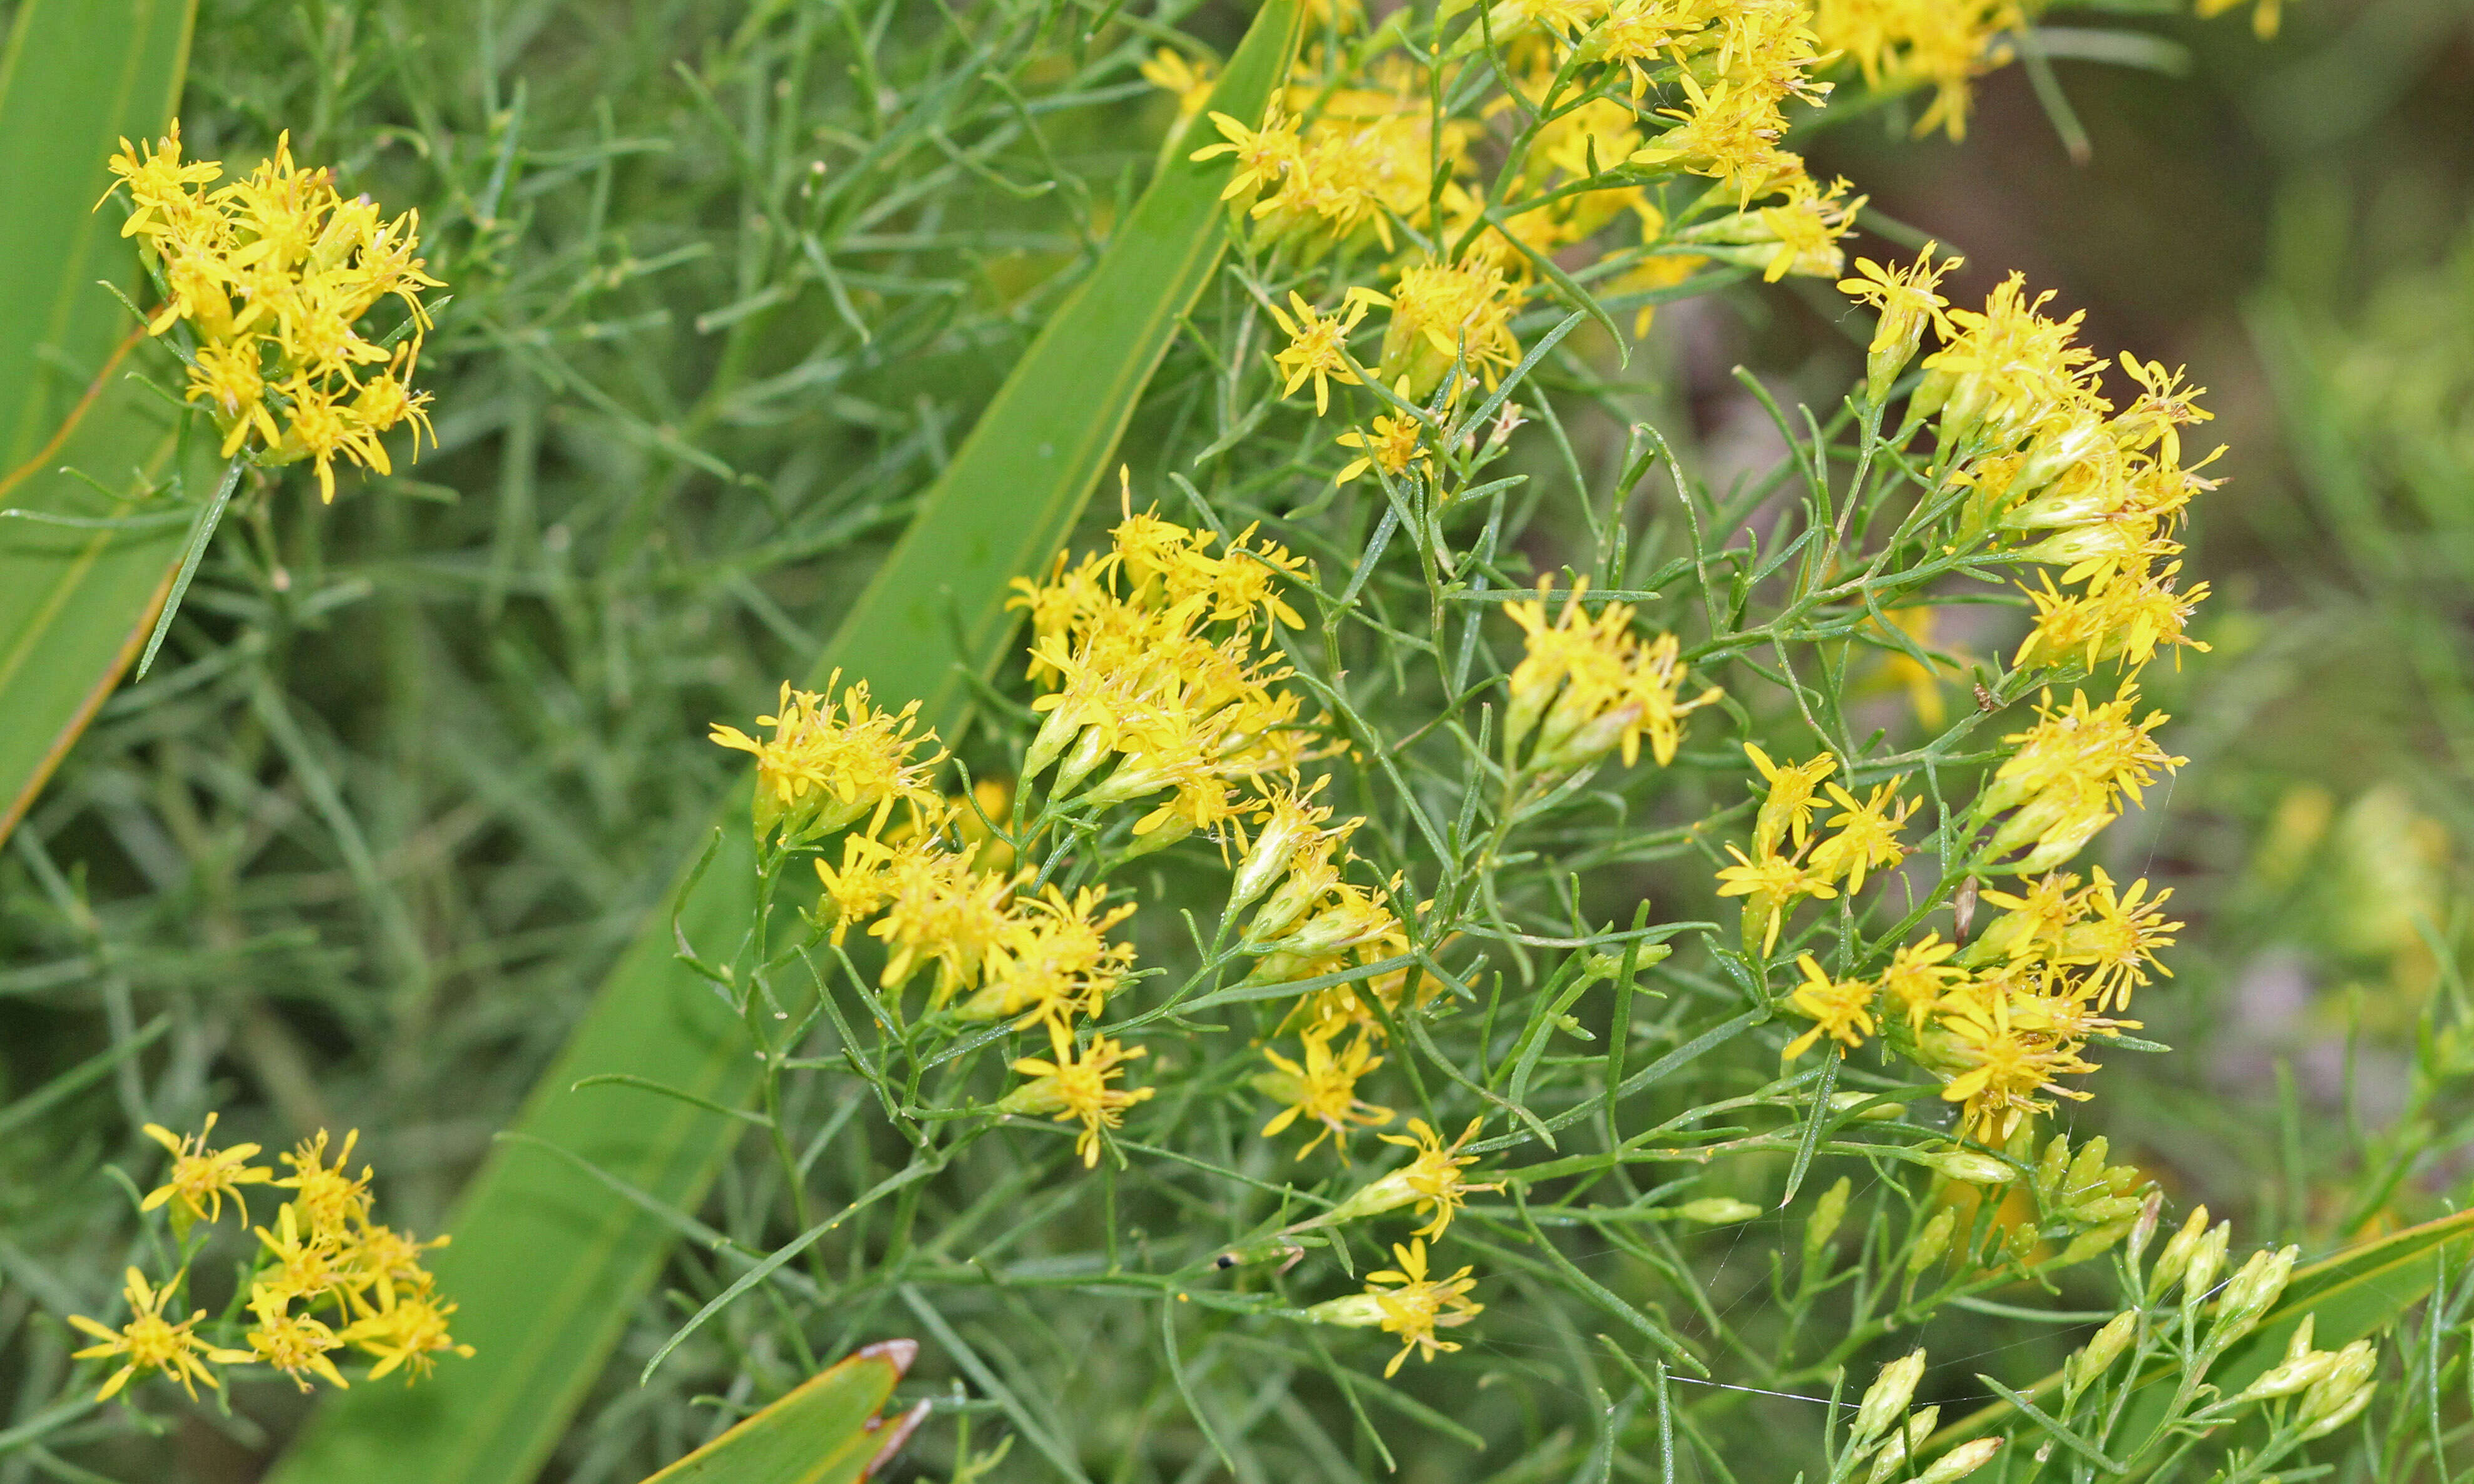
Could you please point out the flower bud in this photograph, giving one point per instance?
(1717, 1210)
(2176, 1256)
(2143, 1229)
(2341, 1393)
(2098, 1354)
(1356, 1311)
(2207, 1260)
(1268, 858)
(1822, 1223)
(1057, 731)
(1886, 1400)
(1934, 1241)
(1961, 1462)
(1968, 1167)
(2096, 1241)
(1891, 1461)
(2250, 1293)
(2301, 1367)
(1841, 1101)
(1081, 760)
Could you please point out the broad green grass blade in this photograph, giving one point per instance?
(548, 1262)
(78, 75)
(2354, 1293)
(825, 1431)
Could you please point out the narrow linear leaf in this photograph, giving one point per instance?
(548, 1262)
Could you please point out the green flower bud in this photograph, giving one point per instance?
(2098, 1354)
(1961, 1462)
(1971, 1168)
(2176, 1256)
(1717, 1210)
(2341, 1393)
(1934, 1241)
(1823, 1225)
(1886, 1400)
(2301, 1367)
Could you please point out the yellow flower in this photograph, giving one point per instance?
(1323, 1089)
(329, 1197)
(829, 764)
(1414, 1306)
(2005, 1066)
(1317, 346)
(1919, 975)
(1786, 811)
(859, 889)
(1444, 315)
(1590, 686)
(1054, 959)
(1769, 887)
(1909, 306)
(2117, 940)
(1841, 1009)
(200, 1176)
(150, 1342)
(1868, 835)
(307, 1264)
(408, 1331)
(1262, 156)
(2032, 922)
(1073, 1088)
(940, 910)
(1431, 1180)
(294, 1343)
(1190, 80)
(1390, 444)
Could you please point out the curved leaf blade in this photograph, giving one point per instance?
(824, 1431)
(78, 76)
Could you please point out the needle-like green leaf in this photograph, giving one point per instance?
(79, 577)
(548, 1263)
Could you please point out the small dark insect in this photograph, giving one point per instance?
(1983, 698)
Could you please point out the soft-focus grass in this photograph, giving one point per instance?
(421, 762)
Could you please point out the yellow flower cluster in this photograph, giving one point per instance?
(2059, 478)
(273, 274)
(2002, 1021)
(1404, 1301)
(1588, 686)
(1788, 863)
(1356, 162)
(327, 1276)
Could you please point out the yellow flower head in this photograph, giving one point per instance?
(2118, 940)
(1769, 885)
(1919, 975)
(329, 1197)
(1868, 835)
(1590, 685)
(1323, 1089)
(829, 764)
(272, 275)
(408, 1331)
(1786, 810)
(1431, 1180)
(1076, 1087)
(202, 1176)
(1841, 1009)
(1444, 314)
(1414, 1306)
(1317, 346)
(151, 1342)
(1054, 959)
(294, 1343)
(1909, 306)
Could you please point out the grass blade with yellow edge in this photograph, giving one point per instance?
(2352, 1294)
(80, 570)
(824, 1431)
(551, 1258)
